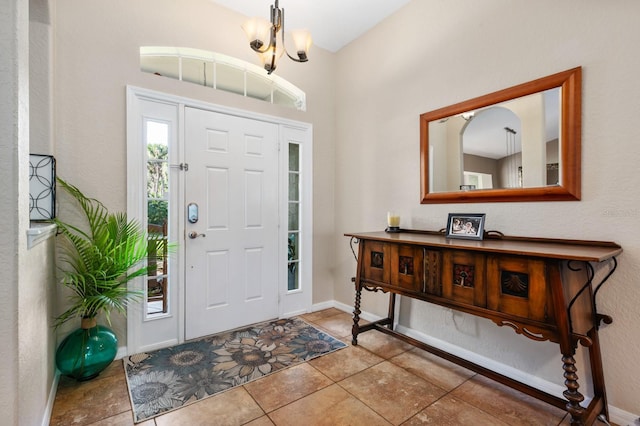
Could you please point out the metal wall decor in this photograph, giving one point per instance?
(42, 187)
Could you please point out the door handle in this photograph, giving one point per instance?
(193, 235)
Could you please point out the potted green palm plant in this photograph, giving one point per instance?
(98, 258)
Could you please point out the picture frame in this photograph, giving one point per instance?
(468, 226)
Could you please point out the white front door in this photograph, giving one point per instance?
(231, 242)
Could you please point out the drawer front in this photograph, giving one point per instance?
(463, 277)
(376, 261)
(517, 286)
(406, 267)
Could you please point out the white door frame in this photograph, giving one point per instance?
(145, 334)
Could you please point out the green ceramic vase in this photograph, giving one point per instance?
(87, 351)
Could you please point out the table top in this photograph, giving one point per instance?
(583, 250)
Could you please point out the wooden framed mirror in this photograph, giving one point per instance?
(517, 144)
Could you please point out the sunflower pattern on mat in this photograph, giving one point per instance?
(170, 378)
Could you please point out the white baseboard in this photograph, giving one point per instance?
(367, 316)
(293, 313)
(621, 417)
(616, 415)
(505, 370)
(323, 305)
(48, 410)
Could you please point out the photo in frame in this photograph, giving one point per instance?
(468, 226)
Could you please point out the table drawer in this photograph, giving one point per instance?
(376, 261)
(406, 267)
(517, 286)
(463, 277)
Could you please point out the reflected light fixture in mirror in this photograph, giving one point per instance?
(546, 117)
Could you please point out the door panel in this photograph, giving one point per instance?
(218, 209)
(232, 264)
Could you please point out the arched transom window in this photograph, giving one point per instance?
(220, 72)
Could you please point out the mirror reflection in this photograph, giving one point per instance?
(513, 144)
(518, 144)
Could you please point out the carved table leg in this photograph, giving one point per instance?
(392, 310)
(356, 315)
(597, 373)
(573, 396)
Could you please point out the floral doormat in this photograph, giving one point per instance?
(170, 378)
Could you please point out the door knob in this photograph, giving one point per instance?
(193, 235)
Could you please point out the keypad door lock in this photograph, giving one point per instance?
(192, 213)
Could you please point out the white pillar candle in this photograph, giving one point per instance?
(393, 220)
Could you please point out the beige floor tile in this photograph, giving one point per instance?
(339, 326)
(391, 391)
(383, 345)
(261, 421)
(345, 362)
(122, 419)
(449, 411)
(436, 370)
(318, 315)
(281, 388)
(330, 406)
(509, 405)
(234, 407)
(82, 403)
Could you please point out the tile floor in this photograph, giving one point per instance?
(382, 381)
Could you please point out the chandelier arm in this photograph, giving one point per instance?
(284, 47)
(273, 43)
(295, 59)
(271, 67)
(260, 47)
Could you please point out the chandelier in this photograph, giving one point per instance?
(260, 30)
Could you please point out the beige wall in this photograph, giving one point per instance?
(37, 341)
(28, 341)
(478, 164)
(435, 53)
(14, 128)
(97, 55)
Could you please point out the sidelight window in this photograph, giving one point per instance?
(293, 243)
(156, 135)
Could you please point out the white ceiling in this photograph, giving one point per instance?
(333, 23)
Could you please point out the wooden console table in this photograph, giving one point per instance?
(542, 288)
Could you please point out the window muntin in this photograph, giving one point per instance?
(221, 72)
